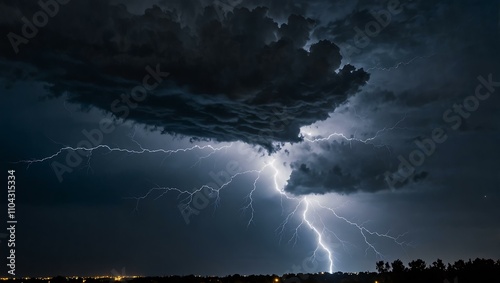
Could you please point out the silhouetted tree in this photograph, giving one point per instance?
(459, 265)
(417, 265)
(471, 271)
(438, 270)
(388, 266)
(438, 265)
(381, 267)
(398, 266)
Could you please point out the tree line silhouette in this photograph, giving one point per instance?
(478, 270)
(471, 271)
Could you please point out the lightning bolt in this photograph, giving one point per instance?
(109, 149)
(365, 141)
(188, 195)
(320, 237)
(319, 233)
(365, 231)
(249, 197)
(399, 64)
(307, 206)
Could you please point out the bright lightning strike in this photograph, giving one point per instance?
(186, 196)
(365, 141)
(364, 230)
(141, 150)
(320, 237)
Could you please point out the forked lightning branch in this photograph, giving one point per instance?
(191, 202)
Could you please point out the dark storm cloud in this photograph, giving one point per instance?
(384, 33)
(426, 59)
(241, 77)
(344, 168)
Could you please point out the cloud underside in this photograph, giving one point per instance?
(234, 77)
(347, 168)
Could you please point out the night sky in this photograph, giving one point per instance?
(255, 137)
